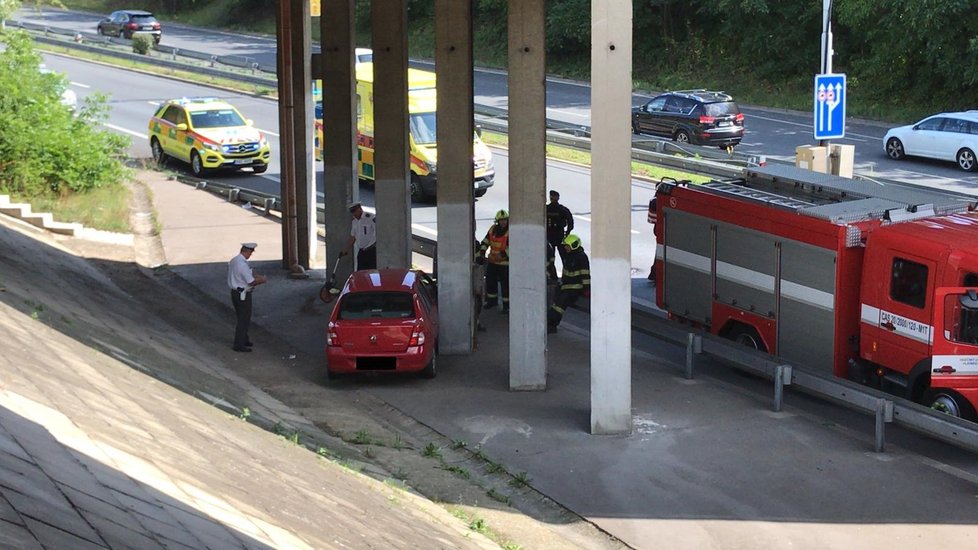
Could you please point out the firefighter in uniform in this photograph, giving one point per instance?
(574, 282)
(496, 243)
(560, 223)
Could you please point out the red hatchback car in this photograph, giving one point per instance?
(385, 320)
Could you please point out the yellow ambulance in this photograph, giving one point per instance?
(422, 123)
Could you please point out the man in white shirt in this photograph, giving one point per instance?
(242, 280)
(363, 233)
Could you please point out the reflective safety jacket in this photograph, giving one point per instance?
(577, 271)
(497, 243)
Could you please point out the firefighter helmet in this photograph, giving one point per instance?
(573, 241)
(502, 214)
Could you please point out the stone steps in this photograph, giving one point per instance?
(46, 221)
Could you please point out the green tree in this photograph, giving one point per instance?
(7, 8)
(45, 148)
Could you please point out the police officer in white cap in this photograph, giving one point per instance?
(363, 233)
(242, 281)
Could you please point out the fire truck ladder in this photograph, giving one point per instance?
(756, 195)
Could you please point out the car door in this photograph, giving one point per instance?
(174, 136)
(922, 140)
(649, 112)
(950, 138)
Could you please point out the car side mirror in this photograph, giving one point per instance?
(182, 127)
(250, 122)
(478, 130)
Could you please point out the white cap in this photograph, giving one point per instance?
(249, 246)
(352, 205)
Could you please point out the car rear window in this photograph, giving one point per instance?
(385, 305)
(143, 19)
(721, 108)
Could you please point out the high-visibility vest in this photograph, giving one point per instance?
(498, 245)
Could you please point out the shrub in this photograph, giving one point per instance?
(141, 43)
(45, 149)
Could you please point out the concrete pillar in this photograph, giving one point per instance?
(611, 142)
(340, 183)
(298, 185)
(527, 195)
(456, 217)
(391, 173)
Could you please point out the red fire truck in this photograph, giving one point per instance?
(875, 283)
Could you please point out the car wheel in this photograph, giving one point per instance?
(99, 31)
(429, 371)
(197, 164)
(159, 156)
(894, 149)
(480, 193)
(260, 169)
(682, 136)
(331, 375)
(156, 39)
(966, 160)
(635, 129)
(417, 192)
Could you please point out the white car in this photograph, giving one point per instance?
(946, 136)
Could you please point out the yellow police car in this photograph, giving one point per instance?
(209, 134)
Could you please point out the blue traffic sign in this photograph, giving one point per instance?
(830, 106)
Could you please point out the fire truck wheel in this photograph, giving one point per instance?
(747, 336)
(966, 160)
(949, 402)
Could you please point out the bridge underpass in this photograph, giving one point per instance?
(610, 187)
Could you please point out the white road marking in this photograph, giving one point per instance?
(154, 103)
(125, 131)
(79, 84)
(267, 132)
(588, 220)
(808, 125)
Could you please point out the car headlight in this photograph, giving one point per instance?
(212, 147)
(263, 142)
(431, 166)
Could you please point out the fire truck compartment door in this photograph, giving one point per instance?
(955, 351)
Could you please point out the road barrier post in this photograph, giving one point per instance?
(694, 346)
(782, 378)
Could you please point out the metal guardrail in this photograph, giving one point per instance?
(701, 160)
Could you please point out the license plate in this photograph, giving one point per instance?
(724, 123)
(147, 28)
(242, 161)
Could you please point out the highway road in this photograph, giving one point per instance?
(133, 97)
(770, 132)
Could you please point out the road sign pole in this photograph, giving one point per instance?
(826, 47)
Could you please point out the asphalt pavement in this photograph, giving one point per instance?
(96, 438)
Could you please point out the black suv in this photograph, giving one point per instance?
(691, 116)
(125, 23)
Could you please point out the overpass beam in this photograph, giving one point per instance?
(456, 226)
(391, 173)
(340, 182)
(527, 195)
(611, 146)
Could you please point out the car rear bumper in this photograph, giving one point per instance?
(721, 138)
(414, 359)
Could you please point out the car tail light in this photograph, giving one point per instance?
(417, 336)
(707, 120)
(156, 26)
(739, 117)
(332, 339)
(133, 26)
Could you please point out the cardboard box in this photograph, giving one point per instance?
(812, 157)
(841, 160)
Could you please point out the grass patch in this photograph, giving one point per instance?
(458, 470)
(431, 451)
(105, 208)
(162, 71)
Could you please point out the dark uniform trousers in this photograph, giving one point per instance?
(367, 257)
(497, 275)
(242, 309)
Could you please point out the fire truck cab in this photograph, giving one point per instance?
(875, 283)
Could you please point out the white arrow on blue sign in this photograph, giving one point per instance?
(830, 106)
